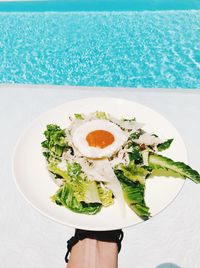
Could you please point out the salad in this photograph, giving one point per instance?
(99, 160)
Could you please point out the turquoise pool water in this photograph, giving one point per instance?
(129, 49)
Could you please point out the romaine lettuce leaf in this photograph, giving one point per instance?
(134, 195)
(133, 172)
(84, 190)
(79, 116)
(65, 196)
(105, 195)
(165, 145)
(135, 154)
(53, 168)
(55, 142)
(101, 115)
(157, 161)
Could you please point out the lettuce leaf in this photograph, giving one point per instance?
(79, 116)
(84, 190)
(65, 196)
(134, 195)
(55, 142)
(136, 154)
(157, 161)
(134, 172)
(165, 145)
(105, 195)
(101, 115)
(55, 170)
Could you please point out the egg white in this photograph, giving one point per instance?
(80, 142)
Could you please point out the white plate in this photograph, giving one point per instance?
(36, 185)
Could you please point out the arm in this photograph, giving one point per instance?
(90, 253)
(94, 249)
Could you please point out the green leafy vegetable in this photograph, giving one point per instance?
(53, 168)
(135, 135)
(136, 154)
(134, 195)
(105, 195)
(55, 142)
(165, 145)
(79, 116)
(74, 170)
(84, 190)
(157, 161)
(65, 196)
(101, 115)
(134, 172)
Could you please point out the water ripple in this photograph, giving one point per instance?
(134, 49)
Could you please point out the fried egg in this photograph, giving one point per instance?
(98, 138)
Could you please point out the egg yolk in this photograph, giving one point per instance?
(100, 138)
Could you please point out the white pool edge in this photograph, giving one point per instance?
(67, 87)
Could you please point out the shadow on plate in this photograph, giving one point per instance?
(167, 265)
